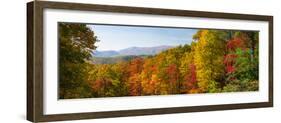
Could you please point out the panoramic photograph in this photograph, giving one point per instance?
(99, 60)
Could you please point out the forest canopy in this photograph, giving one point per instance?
(216, 61)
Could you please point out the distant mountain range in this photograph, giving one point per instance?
(109, 53)
(132, 51)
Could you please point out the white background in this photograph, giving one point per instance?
(13, 61)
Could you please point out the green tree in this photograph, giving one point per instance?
(76, 43)
(242, 72)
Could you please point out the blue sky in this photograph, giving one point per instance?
(121, 37)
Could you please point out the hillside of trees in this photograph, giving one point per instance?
(116, 59)
(216, 61)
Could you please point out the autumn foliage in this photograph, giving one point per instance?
(216, 61)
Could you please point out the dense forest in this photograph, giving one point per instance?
(216, 61)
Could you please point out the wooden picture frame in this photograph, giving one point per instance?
(35, 60)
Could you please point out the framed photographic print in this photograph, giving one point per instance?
(96, 61)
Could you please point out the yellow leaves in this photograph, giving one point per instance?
(208, 57)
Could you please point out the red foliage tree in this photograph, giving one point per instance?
(192, 77)
(232, 45)
(100, 85)
(235, 43)
(134, 83)
(190, 80)
(136, 66)
(173, 73)
(135, 87)
(229, 61)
